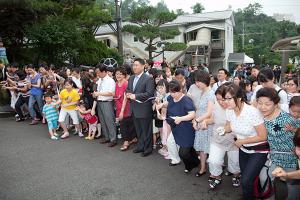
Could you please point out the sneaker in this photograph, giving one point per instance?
(65, 135)
(186, 171)
(80, 134)
(56, 135)
(119, 136)
(87, 138)
(54, 138)
(214, 183)
(236, 182)
(154, 146)
(19, 119)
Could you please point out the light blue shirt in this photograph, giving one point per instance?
(136, 79)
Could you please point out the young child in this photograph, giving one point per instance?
(162, 95)
(294, 107)
(157, 123)
(246, 86)
(294, 110)
(68, 98)
(50, 112)
(92, 120)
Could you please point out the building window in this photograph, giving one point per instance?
(191, 36)
(216, 34)
(107, 42)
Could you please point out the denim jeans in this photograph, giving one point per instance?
(251, 165)
(32, 100)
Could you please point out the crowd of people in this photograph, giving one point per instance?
(187, 114)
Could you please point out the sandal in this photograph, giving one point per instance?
(124, 147)
(214, 183)
(198, 174)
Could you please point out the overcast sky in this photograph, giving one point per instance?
(269, 6)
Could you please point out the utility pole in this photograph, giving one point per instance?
(243, 35)
(119, 26)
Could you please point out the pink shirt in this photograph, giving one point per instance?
(119, 96)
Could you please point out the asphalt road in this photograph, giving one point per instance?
(33, 167)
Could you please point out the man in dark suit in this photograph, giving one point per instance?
(140, 88)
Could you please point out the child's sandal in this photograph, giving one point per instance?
(124, 147)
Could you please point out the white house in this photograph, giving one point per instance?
(209, 39)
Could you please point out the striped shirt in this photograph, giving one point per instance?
(50, 112)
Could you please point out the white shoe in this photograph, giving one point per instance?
(56, 135)
(65, 135)
(54, 138)
(80, 134)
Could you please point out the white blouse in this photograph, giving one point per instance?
(244, 124)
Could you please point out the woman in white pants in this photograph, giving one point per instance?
(220, 144)
(173, 150)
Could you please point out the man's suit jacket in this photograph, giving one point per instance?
(143, 90)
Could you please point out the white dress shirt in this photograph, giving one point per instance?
(106, 84)
(217, 85)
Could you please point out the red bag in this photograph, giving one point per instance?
(265, 190)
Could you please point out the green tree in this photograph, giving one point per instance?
(54, 30)
(261, 32)
(179, 12)
(15, 16)
(149, 31)
(127, 7)
(54, 39)
(197, 8)
(161, 7)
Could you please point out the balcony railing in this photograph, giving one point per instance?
(217, 44)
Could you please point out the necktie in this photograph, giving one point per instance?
(135, 81)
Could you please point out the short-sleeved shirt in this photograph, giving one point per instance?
(119, 96)
(22, 85)
(217, 85)
(226, 141)
(281, 141)
(50, 112)
(184, 133)
(244, 124)
(35, 90)
(201, 99)
(106, 84)
(91, 119)
(69, 97)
